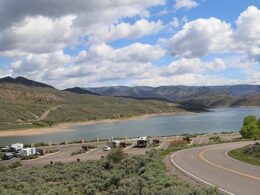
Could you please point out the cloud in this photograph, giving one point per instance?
(193, 65)
(12, 11)
(44, 26)
(38, 35)
(175, 22)
(247, 34)
(100, 63)
(255, 79)
(188, 4)
(184, 79)
(200, 37)
(140, 28)
(32, 64)
(35, 33)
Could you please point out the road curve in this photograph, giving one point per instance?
(211, 165)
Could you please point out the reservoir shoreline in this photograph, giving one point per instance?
(68, 126)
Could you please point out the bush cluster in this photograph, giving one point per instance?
(29, 157)
(49, 151)
(81, 151)
(178, 142)
(253, 149)
(133, 175)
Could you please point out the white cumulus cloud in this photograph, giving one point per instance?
(185, 4)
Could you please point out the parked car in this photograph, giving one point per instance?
(8, 156)
(5, 148)
(106, 148)
(17, 154)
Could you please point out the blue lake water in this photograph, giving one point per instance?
(219, 120)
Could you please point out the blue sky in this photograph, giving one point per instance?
(147, 42)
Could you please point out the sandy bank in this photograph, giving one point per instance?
(66, 127)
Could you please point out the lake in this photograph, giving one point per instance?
(219, 120)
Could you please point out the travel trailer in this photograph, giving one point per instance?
(28, 151)
(113, 144)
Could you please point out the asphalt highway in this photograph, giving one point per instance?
(212, 166)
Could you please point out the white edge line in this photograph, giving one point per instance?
(195, 177)
(128, 147)
(85, 152)
(48, 155)
(160, 145)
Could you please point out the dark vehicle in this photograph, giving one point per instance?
(8, 156)
(39, 152)
(17, 153)
(12, 150)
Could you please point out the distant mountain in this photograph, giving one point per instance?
(206, 96)
(23, 81)
(79, 90)
(176, 93)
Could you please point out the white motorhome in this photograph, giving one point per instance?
(142, 142)
(17, 146)
(28, 151)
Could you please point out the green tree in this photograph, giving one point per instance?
(251, 127)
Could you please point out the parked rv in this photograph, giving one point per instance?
(142, 142)
(17, 146)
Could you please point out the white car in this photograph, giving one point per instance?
(106, 148)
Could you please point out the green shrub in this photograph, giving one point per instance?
(41, 144)
(32, 156)
(143, 174)
(49, 151)
(81, 151)
(15, 165)
(2, 168)
(215, 139)
(116, 155)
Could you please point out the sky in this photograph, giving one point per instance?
(90, 43)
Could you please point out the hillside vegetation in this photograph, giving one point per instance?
(22, 106)
(130, 175)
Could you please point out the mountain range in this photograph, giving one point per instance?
(187, 96)
(178, 93)
(195, 96)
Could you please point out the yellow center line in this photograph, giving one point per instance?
(201, 156)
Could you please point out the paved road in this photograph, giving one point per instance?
(211, 165)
